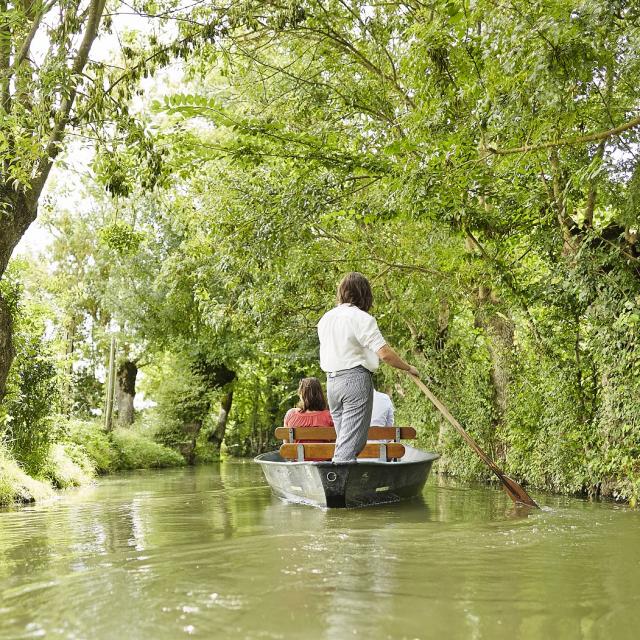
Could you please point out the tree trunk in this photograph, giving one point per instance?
(217, 435)
(566, 224)
(127, 374)
(442, 332)
(7, 352)
(188, 448)
(17, 212)
(67, 384)
(19, 207)
(111, 372)
(499, 330)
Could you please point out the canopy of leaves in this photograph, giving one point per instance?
(477, 160)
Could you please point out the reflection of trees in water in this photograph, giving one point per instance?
(385, 569)
(74, 552)
(518, 573)
(246, 495)
(138, 538)
(24, 539)
(141, 542)
(376, 582)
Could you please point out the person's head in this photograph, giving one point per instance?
(355, 289)
(311, 396)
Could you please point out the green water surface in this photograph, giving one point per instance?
(208, 552)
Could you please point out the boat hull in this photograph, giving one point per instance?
(348, 484)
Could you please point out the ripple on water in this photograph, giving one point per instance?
(191, 552)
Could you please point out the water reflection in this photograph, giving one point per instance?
(191, 552)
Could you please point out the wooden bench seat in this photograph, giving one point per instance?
(324, 450)
(328, 434)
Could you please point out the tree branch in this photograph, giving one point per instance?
(22, 54)
(508, 279)
(565, 142)
(5, 59)
(61, 120)
(314, 82)
(355, 53)
(390, 265)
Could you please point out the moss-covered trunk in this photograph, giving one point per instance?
(127, 374)
(188, 448)
(216, 437)
(17, 212)
(7, 352)
(499, 330)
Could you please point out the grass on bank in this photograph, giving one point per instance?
(16, 486)
(85, 452)
(125, 449)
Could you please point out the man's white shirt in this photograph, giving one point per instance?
(382, 414)
(349, 337)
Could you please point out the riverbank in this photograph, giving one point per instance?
(84, 453)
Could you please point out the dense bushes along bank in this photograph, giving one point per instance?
(84, 452)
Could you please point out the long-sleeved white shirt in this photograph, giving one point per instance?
(349, 337)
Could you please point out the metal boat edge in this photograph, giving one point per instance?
(363, 483)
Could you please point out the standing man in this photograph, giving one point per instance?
(382, 413)
(351, 346)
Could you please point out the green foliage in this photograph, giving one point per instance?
(68, 465)
(123, 449)
(92, 438)
(544, 435)
(88, 392)
(27, 425)
(439, 149)
(182, 396)
(85, 451)
(137, 452)
(121, 238)
(376, 143)
(116, 171)
(16, 486)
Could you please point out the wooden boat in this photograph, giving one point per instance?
(386, 471)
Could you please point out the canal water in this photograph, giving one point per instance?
(208, 552)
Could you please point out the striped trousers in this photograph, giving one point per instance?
(350, 396)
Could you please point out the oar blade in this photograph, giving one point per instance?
(517, 493)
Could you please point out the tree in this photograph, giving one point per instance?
(35, 98)
(44, 95)
(509, 130)
(477, 161)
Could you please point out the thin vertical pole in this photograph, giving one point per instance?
(108, 410)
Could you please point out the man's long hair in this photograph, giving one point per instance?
(311, 396)
(355, 289)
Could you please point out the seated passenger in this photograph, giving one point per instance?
(382, 413)
(312, 409)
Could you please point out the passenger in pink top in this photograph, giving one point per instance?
(312, 409)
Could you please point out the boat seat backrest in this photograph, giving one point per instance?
(328, 434)
(383, 451)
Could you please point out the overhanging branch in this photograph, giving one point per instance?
(23, 53)
(96, 8)
(566, 142)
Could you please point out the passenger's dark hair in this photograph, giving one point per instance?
(356, 290)
(311, 396)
